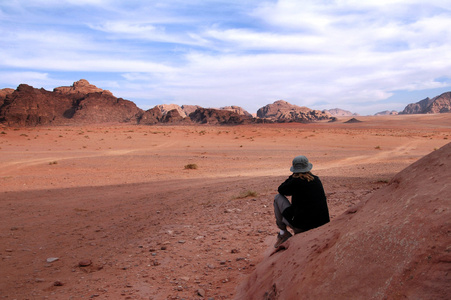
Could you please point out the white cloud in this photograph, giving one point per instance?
(344, 53)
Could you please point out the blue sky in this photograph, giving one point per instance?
(360, 55)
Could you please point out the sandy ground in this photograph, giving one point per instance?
(120, 199)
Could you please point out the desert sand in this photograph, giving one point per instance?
(113, 211)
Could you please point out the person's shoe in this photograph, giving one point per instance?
(282, 238)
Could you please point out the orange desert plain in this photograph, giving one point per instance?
(175, 212)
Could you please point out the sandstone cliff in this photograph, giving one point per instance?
(81, 103)
(85, 103)
(217, 116)
(386, 113)
(338, 112)
(28, 106)
(282, 111)
(439, 104)
(3, 94)
(237, 109)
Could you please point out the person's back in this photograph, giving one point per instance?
(308, 208)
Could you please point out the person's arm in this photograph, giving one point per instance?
(286, 188)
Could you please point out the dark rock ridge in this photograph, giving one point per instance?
(439, 104)
(392, 245)
(84, 103)
(220, 117)
(353, 120)
(282, 111)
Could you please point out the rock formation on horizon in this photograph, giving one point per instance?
(338, 112)
(80, 103)
(392, 245)
(84, 103)
(219, 117)
(81, 87)
(282, 111)
(386, 113)
(439, 104)
(237, 109)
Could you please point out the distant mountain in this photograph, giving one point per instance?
(237, 109)
(439, 104)
(27, 106)
(84, 103)
(386, 112)
(282, 111)
(338, 112)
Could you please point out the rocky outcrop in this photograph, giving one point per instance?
(3, 94)
(217, 116)
(28, 106)
(353, 120)
(338, 112)
(189, 109)
(84, 103)
(165, 108)
(174, 116)
(393, 245)
(151, 116)
(80, 87)
(282, 111)
(100, 107)
(386, 113)
(237, 109)
(439, 104)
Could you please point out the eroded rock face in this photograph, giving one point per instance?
(173, 116)
(151, 116)
(189, 109)
(101, 107)
(3, 94)
(216, 116)
(165, 108)
(80, 87)
(386, 113)
(28, 106)
(282, 111)
(393, 245)
(338, 112)
(237, 109)
(439, 104)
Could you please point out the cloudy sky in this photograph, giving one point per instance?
(361, 55)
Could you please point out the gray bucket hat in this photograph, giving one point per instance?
(301, 164)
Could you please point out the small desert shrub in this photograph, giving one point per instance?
(191, 167)
(377, 147)
(246, 194)
(53, 163)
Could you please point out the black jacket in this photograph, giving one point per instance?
(308, 208)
